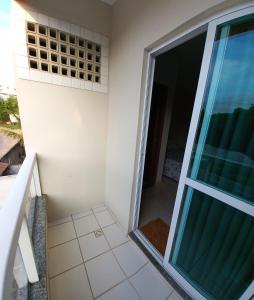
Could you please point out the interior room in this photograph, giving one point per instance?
(174, 88)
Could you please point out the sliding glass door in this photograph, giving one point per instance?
(211, 246)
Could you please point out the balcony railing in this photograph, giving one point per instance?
(14, 229)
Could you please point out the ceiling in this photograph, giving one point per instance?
(110, 2)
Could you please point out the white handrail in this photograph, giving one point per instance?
(11, 220)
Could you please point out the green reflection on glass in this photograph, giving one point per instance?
(223, 155)
(214, 247)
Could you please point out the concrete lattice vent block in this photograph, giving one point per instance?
(43, 30)
(81, 75)
(43, 42)
(73, 73)
(55, 69)
(58, 52)
(31, 27)
(64, 72)
(33, 64)
(44, 67)
(32, 52)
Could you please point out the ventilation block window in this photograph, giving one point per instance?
(32, 52)
(64, 71)
(31, 27)
(53, 33)
(64, 60)
(31, 39)
(43, 54)
(42, 30)
(33, 64)
(45, 67)
(58, 52)
(54, 69)
(43, 42)
(63, 36)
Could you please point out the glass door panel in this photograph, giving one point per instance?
(211, 245)
(214, 247)
(223, 153)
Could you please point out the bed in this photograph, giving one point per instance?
(173, 163)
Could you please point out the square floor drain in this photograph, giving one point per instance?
(98, 233)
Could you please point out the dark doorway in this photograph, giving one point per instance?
(174, 88)
(156, 123)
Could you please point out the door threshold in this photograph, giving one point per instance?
(157, 260)
(149, 246)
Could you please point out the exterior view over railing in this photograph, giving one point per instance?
(14, 233)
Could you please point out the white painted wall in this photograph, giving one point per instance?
(91, 14)
(135, 26)
(67, 127)
(85, 141)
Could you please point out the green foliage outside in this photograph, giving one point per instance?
(10, 107)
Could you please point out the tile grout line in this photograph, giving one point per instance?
(78, 218)
(71, 216)
(110, 250)
(85, 234)
(106, 251)
(108, 225)
(170, 294)
(129, 277)
(52, 247)
(174, 290)
(114, 222)
(64, 222)
(83, 261)
(65, 243)
(126, 277)
(82, 235)
(77, 238)
(110, 289)
(54, 225)
(61, 273)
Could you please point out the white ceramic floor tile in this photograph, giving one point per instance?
(82, 214)
(99, 208)
(61, 233)
(130, 258)
(174, 296)
(150, 285)
(86, 225)
(115, 235)
(123, 291)
(64, 257)
(104, 218)
(103, 272)
(72, 284)
(60, 221)
(92, 246)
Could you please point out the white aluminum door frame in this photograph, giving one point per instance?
(184, 180)
(172, 43)
(212, 24)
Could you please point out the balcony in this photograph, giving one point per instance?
(89, 255)
(142, 182)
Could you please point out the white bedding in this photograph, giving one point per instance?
(173, 163)
(172, 169)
